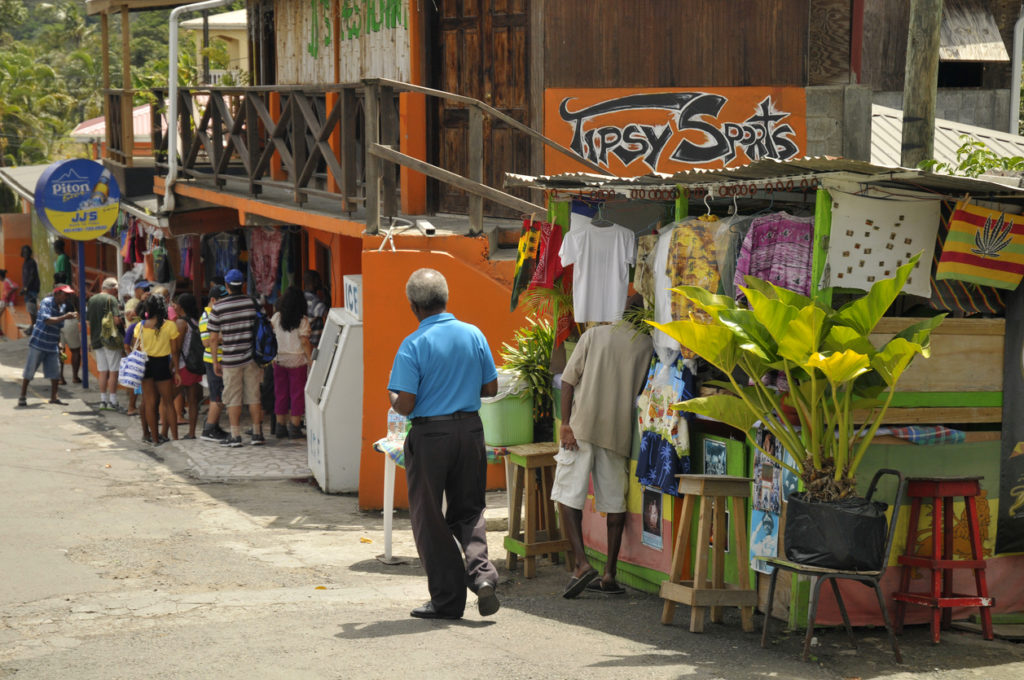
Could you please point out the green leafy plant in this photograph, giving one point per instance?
(974, 159)
(837, 377)
(552, 303)
(529, 359)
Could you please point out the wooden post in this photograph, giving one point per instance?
(331, 100)
(348, 148)
(389, 137)
(105, 36)
(274, 107)
(920, 83)
(475, 150)
(372, 163)
(127, 120)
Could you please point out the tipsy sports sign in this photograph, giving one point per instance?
(635, 132)
(77, 198)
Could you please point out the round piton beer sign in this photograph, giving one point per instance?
(78, 198)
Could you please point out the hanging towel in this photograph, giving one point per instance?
(872, 237)
(526, 261)
(266, 249)
(983, 246)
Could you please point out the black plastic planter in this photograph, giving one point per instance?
(848, 534)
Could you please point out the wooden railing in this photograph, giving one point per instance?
(120, 126)
(330, 141)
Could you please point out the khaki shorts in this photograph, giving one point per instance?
(71, 334)
(242, 384)
(574, 471)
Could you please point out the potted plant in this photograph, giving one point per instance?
(840, 384)
(529, 359)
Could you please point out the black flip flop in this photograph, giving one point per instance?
(58, 402)
(577, 585)
(598, 586)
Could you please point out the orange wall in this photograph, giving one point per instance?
(477, 296)
(346, 259)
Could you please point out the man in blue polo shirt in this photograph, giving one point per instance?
(438, 377)
(42, 346)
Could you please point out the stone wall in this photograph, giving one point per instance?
(839, 121)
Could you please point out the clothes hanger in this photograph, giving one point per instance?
(708, 217)
(599, 219)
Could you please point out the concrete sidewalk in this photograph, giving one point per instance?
(122, 561)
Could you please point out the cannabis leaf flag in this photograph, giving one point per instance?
(984, 247)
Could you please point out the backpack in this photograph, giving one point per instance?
(264, 340)
(194, 350)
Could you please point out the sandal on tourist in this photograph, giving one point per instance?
(577, 584)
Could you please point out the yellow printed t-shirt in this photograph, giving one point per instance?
(157, 344)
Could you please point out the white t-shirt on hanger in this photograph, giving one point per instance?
(665, 346)
(601, 257)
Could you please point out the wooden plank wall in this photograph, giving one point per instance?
(651, 43)
(369, 46)
(829, 43)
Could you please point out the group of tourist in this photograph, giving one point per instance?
(173, 335)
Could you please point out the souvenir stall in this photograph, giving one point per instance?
(270, 257)
(829, 229)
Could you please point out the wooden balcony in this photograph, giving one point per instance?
(325, 148)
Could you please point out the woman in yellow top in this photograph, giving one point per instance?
(161, 343)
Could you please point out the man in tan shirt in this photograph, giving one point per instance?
(599, 389)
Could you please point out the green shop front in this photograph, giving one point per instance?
(949, 417)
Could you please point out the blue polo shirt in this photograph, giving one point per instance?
(46, 336)
(444, 363)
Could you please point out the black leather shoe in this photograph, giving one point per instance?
(427, 611)
(486, 600)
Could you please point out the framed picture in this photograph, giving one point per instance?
(651, 519)
(764, 539)
(715, 460)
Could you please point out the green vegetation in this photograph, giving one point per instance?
(974, 159)
(840, 384)
(51, 71)
(530, 358)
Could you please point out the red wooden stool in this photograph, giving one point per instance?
(941, 598)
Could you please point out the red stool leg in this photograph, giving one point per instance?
(979, 574)
(909, 549)
(947, 554)
(936, 576)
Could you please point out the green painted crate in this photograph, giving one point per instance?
(508, 421)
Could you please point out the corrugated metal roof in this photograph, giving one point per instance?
(887, 136)
(818, 167)
(96, 128)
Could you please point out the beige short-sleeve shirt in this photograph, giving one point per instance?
(607, 371)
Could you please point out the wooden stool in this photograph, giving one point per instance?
(541, 535)
(941, 491)
(713, 491)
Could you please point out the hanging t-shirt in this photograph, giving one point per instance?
(664, 345)
(691, 262)
(601, 257)
(266, 251)
(778, 249)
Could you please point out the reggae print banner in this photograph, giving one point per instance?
(635, 132)
(983, 246)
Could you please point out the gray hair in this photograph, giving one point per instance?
(427, 289)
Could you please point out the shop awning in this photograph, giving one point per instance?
(969, 32)
(785, 176)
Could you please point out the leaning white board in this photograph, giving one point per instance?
(334, 404)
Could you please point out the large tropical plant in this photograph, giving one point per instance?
(529, 358)
(840, 384)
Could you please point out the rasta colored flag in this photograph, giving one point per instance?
(983, 246)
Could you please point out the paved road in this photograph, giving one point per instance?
(116, 562)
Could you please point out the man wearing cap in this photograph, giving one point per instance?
(212, 431)
(106, 338)
(438, 377)
(141, 289)
(232, 326)
(42, 346)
